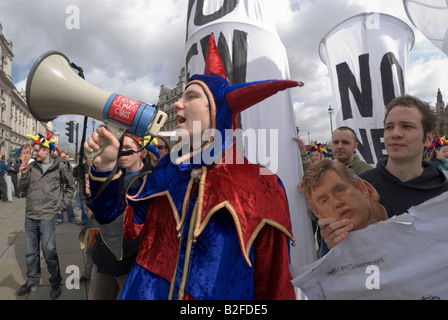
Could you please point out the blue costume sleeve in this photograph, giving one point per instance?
(110, 203)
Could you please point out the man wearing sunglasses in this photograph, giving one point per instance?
(163, 146)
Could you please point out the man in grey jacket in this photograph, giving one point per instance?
(43, 180)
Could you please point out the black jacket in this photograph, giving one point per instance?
(111, 253)
(396, 196)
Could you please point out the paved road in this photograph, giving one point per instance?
(13, 250)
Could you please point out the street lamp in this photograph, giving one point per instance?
(330, 111)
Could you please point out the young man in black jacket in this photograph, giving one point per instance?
(402, 180)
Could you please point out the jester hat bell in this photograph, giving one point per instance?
(226, 101)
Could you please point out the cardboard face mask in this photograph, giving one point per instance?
(336, 197)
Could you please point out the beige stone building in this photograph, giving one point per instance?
(15, 119)
(167, 98)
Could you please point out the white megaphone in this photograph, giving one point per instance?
(53, 88)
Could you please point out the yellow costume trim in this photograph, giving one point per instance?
(245, 247)
(190, 240)
(173, 279)
(199, 225)
(103, 179)
(200, 200)
(161, 194)
(179, 219)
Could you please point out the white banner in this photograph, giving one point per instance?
(367, 57)
(251, 51)
(431, 18)
(405, 257)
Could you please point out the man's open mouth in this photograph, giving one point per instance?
(180, 119)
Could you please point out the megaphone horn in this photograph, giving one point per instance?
(53, 88)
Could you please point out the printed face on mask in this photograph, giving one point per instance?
(336, 197)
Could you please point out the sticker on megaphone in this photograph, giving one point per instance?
(157, 121)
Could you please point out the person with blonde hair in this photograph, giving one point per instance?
(311, 154)
(316, 151)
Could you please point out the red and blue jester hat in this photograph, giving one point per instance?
(226, 101)
(317, 147)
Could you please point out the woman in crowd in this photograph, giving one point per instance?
(438, 153)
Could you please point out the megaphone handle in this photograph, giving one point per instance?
(116, 130)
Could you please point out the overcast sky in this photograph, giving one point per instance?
(134, 46)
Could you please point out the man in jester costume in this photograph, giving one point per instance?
(209, 229)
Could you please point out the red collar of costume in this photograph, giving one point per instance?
(238, 181)
(250, 206)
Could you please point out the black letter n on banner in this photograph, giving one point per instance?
(387, 77)
(347, 82)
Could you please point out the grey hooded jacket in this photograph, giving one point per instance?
(44, 199)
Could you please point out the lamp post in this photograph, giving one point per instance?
(76, 144)
(330, 111)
